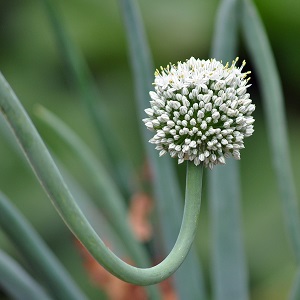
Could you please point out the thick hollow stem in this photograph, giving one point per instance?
(52, 181)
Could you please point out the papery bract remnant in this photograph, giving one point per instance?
(200, 111)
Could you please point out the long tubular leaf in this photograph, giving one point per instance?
(92, 212)
(225, 39)
(17, 282)
(166, 186)
(229, 267)
(273, 100)
(91, 98)
(53, 183)
(35, 251)
(111, 200)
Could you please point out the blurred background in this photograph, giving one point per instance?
(177, 30)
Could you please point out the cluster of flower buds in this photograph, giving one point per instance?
(200, 111)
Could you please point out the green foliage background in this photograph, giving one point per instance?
(30, 61)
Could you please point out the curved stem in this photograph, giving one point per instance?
(112, 203)
(53, 183)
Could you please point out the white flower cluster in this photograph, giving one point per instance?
(200, 111)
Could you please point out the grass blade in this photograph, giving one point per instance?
(229, 266)
(166, 186)
(273, 100)
(35, 251)
(17, 283)
(91, 98)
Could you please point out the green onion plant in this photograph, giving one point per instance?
(200, 112)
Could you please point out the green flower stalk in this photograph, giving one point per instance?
(54, 185)
(200, 111)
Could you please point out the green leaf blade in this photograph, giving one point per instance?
(230, 277)
(35, 251)
(229, 273)
(17, 282)
(273, 101)
(166, 186)
(91, 98)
